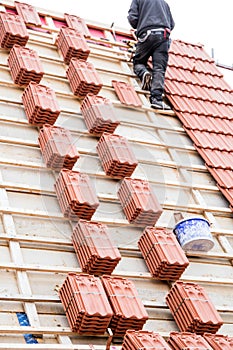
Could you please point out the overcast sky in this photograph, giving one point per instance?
(208, 22)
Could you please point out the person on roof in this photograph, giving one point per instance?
(153, 22)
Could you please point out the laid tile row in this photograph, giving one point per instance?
(203, 93)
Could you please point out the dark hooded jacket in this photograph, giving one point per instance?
(148, 14)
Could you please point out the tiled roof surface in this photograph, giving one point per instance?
(204, 103)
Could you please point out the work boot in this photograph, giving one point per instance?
(157, 104)
(146, 81)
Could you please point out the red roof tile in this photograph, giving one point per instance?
(129, 311)
(162, 253)
(76, 195)
(206, 123)
(223, 177)
(12, 30)
(195, 51)
(83, 78)
(192, 308)
(28, 13)
(94, 250)
(40, 104)
(217, 159)
(134, 340)
(204, 103)
(85, 303)
(219, 341)
(25, 65)
(77, 23)
(72, 44)
(57, 147)
(126, 93)
(187, 340)
(139, 202)
(228, 193)
(211, 140)
(98, 114)
(116, 156)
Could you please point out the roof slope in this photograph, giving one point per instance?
(203, 101)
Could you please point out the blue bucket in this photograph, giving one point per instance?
(194, 234)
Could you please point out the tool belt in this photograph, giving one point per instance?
(166, 33)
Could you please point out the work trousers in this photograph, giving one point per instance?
(155, 46)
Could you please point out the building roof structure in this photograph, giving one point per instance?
(171, 149)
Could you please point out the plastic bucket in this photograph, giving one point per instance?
(194, 234)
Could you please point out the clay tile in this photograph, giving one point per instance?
(13, 30)
(28, 13)
(126, 93)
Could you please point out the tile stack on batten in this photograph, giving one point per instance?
(162, 253)
(192, 308)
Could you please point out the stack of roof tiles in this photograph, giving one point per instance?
(116, 156)
(85, 303)
(98, 114)
(192, 309)
(187, 341)
(40, 104)
(94, 249)
(139, 202)
(83, 78)
(219, 341)
(28, 13)
(77, 23)
(129, 312)
(12, 30)
(134, 340)
(57, 147)
(25, 65)
(162, 253)
(203, 102)
(76, 195)
(72, 44)
(126, 93)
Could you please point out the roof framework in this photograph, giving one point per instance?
(36, 249)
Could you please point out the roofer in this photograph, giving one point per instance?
(153, 22)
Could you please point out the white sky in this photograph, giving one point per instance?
(208, 22)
